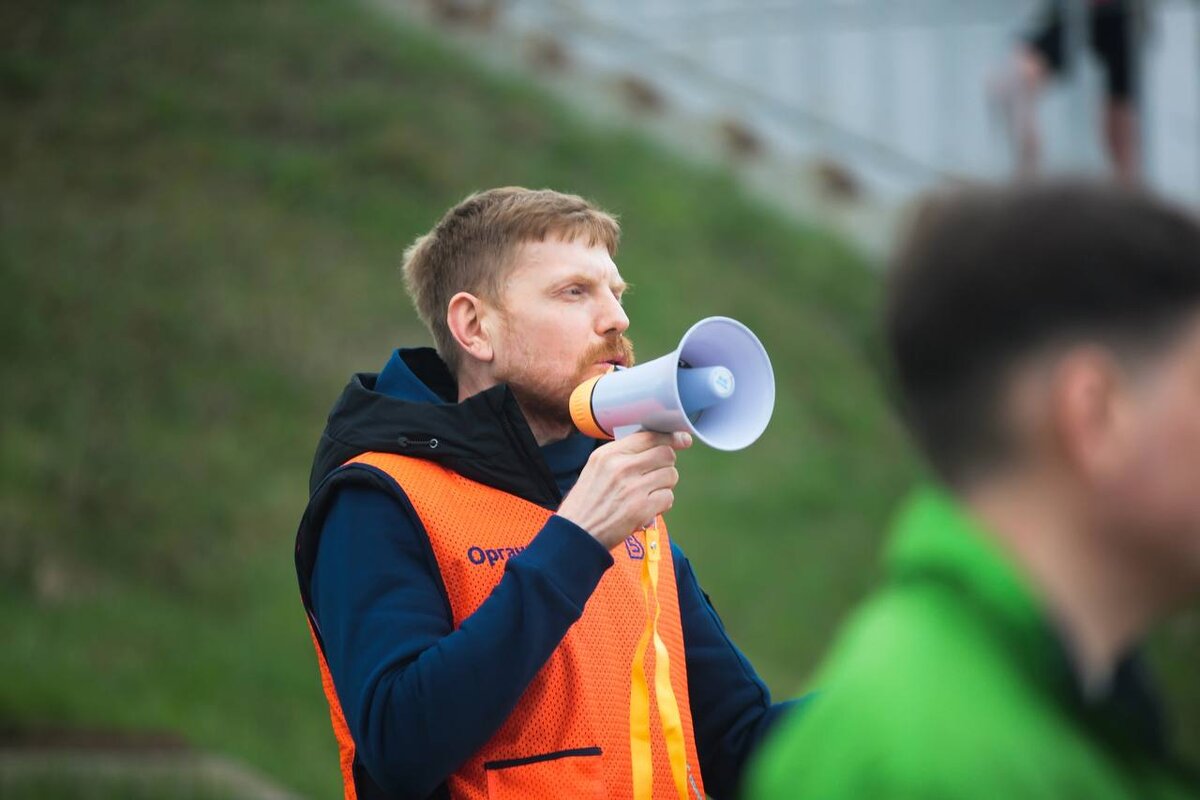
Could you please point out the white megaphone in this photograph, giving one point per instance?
(717, 385)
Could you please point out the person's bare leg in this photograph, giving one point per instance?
(1121, 137)
(1032, 74)
(1016, 91)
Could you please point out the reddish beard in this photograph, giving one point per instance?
(549, 401)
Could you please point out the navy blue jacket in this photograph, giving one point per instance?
(419, 696)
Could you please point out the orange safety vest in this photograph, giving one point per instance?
(607, 716)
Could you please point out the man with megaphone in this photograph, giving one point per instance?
(496, 606)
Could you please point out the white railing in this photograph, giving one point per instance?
(893, 89)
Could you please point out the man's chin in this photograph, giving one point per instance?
(544, 409)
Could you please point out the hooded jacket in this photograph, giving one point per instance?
(414, 699)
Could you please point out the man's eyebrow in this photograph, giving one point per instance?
(619, 286)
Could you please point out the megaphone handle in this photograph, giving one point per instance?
(621, 431)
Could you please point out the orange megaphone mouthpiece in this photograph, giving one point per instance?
(582, 413)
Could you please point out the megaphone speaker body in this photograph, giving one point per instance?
(717, 385)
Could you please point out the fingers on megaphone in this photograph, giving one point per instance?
(717, 385)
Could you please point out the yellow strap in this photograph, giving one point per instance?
(639, 691)
(639, 711)
(668, 708)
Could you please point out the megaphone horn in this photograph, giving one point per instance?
(717, 385)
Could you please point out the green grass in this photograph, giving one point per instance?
(202, 207)
(67, 786)
(68, 775)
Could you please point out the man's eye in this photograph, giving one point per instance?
(577, 291)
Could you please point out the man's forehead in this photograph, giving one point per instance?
(555, 257)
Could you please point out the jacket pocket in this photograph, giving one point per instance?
(549, 776)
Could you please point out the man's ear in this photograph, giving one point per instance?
(1088, 412)
(466, 316)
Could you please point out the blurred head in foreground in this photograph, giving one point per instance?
(1045, 352)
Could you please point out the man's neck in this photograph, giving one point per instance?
(471, 383)
(548, 432)
(1102, 601)
(545, 431)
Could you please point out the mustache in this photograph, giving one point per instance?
(616, 348)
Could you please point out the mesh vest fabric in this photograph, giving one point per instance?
(569, 735)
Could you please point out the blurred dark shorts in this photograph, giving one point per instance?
(1110, 36)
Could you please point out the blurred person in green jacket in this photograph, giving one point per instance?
(1045, 349)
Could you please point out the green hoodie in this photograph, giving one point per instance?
(951, 683)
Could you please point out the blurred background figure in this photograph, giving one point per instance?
(844, 109)
(1045, 348)
(1113, 32)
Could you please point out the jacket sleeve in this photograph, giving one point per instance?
(731, 706)
(419, 696)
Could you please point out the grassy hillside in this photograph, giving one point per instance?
(202, 207)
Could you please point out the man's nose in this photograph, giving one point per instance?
(613, 318)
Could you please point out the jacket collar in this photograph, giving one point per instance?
(934, 539)
(408, 409)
